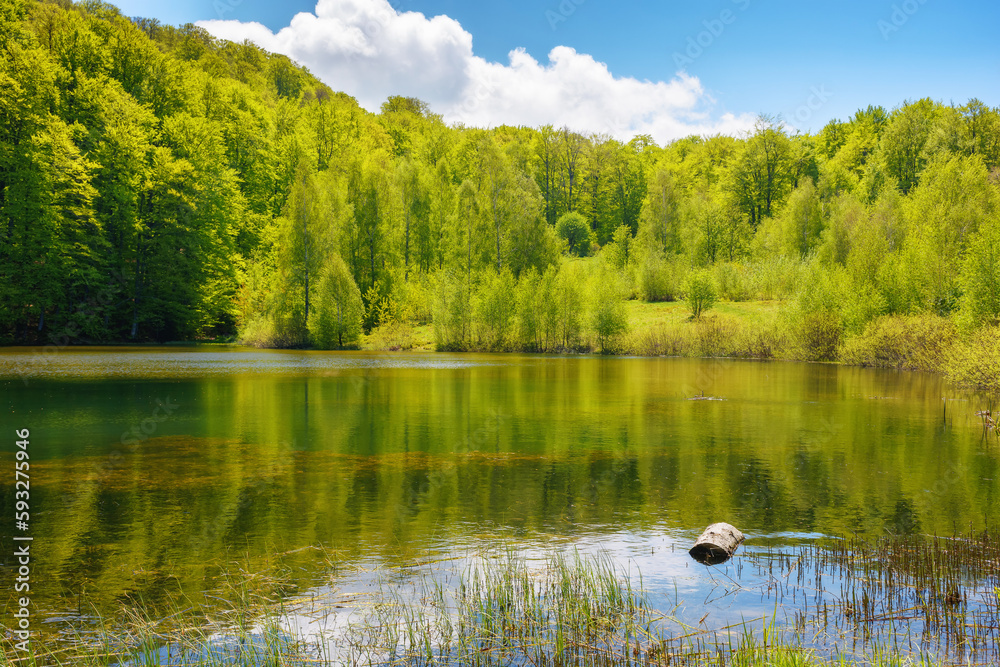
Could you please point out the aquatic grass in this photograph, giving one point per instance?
(913, 595)
(504, 609)
(898, 600)
(242, 629)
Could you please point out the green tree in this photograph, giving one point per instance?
(495, 306)
(416, 211)
(570, 148)
(453, 315)
(305, 238)
(707, 226)
(660, 222)
(954, 201)
(902, 145)
(802, 220)
(335, 321)
(608, 317)
(574, 230)
(529, 317)
(980, 279)
(620, 252)
(760, 172)
(545, 149)
(982, 131)
(631, 165)
(700, 292)
(568, 304)
(596, 186)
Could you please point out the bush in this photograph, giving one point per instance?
(731, 281)
(916, 343)
(862, 304)
(774, 277)
(262, 331)
(758, 339)
(700, 292)
(390, 337)
(818, 313)
(717, 336)
(819, 335)
(657, 279)
(662, 340)
(975, 362)
(415, 300)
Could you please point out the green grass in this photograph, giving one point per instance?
(644, 314)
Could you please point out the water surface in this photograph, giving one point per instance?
(152, 468)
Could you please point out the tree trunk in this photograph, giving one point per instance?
(307, 286)
(137, 289)
(717, 544)
(406, 252)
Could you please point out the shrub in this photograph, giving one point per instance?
(817, 315)
(279, 322)
(390, 337)
(731, 281)
(700, 292)
(819, 335)
(758, 339)
(547, 307)
(975, 362)
(919, 342)
(715, 335)
(862, 304)
(774, 277)
(662, 340)
(415, 299)
(657, 279)
(263, 332)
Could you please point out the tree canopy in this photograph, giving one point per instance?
(157, 183)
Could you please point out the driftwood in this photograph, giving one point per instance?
(717, 544)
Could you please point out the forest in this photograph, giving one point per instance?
(158, 184)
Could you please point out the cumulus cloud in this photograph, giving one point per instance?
(369, 50)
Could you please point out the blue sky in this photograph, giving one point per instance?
(807, 61)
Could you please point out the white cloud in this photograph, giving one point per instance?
(369, 50)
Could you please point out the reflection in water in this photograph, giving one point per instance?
(396, 456)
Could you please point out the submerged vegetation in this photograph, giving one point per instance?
(169, 185)
(898, 600)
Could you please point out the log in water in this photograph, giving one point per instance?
(717, 544)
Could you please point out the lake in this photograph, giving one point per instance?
(152, 469)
